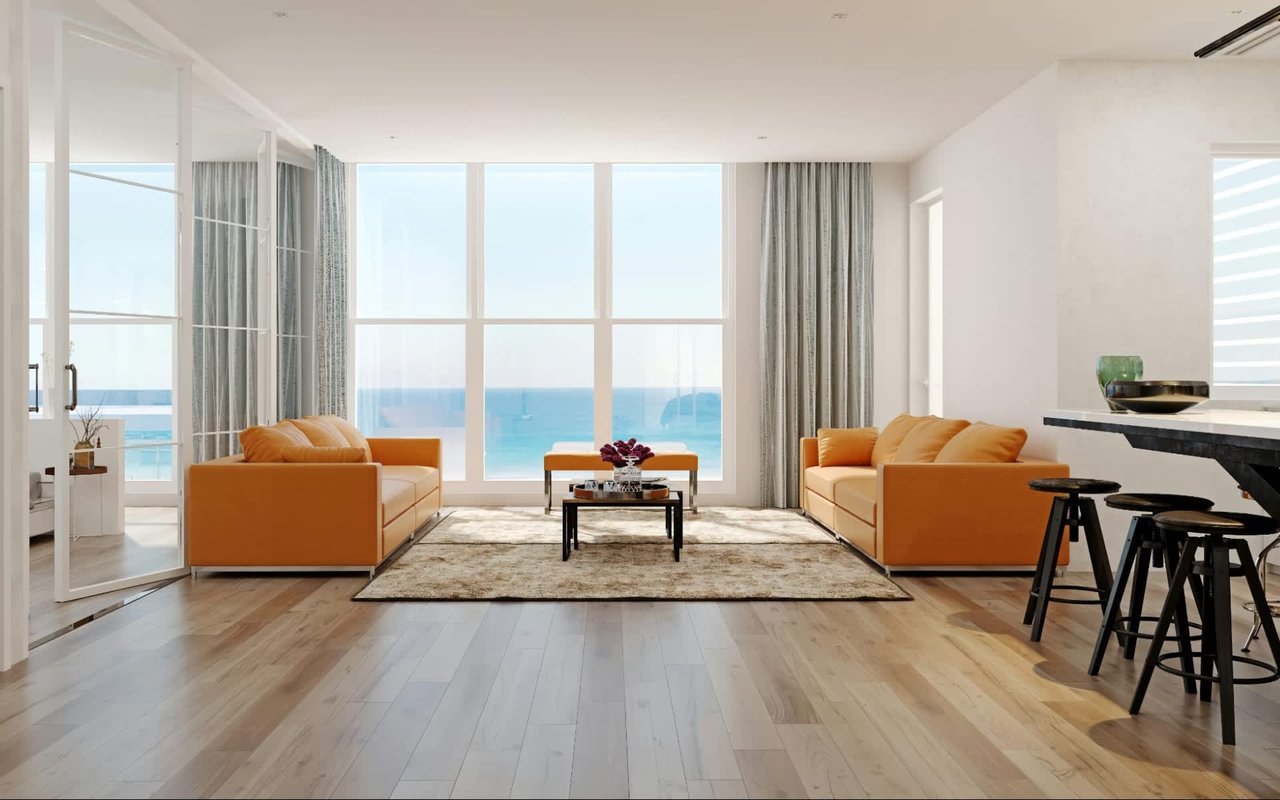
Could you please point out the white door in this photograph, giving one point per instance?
(120, 319)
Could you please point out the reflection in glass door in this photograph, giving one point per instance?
(119, 397)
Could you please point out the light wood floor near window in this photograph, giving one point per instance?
(283, 687)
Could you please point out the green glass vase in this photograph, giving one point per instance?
(1118, 368)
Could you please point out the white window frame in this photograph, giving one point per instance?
(474, 487)
(1233, 391)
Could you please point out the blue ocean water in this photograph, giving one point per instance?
(519, 424)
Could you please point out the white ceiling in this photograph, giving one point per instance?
(649, 80)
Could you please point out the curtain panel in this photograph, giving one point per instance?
(816, 314)
(331, 285)
(291, 337)
(225, 304)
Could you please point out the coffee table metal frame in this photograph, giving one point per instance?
(673, 506)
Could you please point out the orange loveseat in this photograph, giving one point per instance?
(311, 515)
(922, 514)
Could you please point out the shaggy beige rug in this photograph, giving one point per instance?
(729, 553)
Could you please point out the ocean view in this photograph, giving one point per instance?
(520, 424)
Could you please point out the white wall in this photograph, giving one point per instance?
(890, 307)
(1079, 223)
(1135, 145)
(998, 176)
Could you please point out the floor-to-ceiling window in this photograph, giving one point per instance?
(512, 309)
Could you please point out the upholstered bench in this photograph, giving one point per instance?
(561, 461)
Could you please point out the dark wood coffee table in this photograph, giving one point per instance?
(673, 505)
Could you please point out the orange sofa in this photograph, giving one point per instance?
(932, 515)
(323, 516)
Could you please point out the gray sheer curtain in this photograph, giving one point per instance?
(816, 286)
(331, 284)
(225, 305)
(289, 290)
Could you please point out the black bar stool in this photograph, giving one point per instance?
(1145, 547)
(1218, 535)
(1074, 512)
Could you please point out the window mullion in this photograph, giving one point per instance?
(474, 394)
(603, 380)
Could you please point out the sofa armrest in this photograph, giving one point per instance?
(407, 452)
(963, 514)
(808, 458)
(283, 515)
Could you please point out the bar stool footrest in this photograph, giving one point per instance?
(1121, 630)
(1075, 600)
(1272, 670)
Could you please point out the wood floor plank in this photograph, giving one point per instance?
(770, 773)
(717, 789)
(555, 699)
(600, 751)
(409, 790)
(376, 770)
(705, 748)
(545, 768)
(819, 763)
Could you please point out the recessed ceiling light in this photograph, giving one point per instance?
(280, 14)
(1238, 11)
(762, 137)
(840, 15)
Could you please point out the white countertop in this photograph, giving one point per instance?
(1225, 421)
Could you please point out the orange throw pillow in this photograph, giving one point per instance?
(845, 447)
(890, 439)
(320, 433)
(267, 443)
(927, 439)
(324, 455)
(981, 443)
(349, 432)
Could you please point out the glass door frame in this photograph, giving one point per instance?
(60, 397)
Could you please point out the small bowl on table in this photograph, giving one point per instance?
(1157, 397)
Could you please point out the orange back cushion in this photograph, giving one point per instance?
(349, 432)
(267, 443)
(323, 455)
(983, 443)
(320, 433)
(845, 447)
(927, 439)
(890, 439)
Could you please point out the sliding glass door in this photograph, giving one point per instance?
(120, 335)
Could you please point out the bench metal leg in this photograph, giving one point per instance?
(546, 488)
(693, 491)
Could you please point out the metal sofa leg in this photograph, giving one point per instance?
(693, 491)
(546, 488)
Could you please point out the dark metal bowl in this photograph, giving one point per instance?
(1157, 397)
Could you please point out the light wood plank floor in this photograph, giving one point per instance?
(239, 686)
(150, 544)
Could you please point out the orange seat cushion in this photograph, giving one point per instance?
(262, 443)
(397, 497)
(424, 480)
(349, 432)
(320, 433)
(927, 439)
(857, 495)
(983, 443)
(890, 439)
(823, 480)
(323, 455)
(845, 447)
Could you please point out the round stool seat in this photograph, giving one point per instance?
(1226, 523)
(1074, 485)
(1147, 503)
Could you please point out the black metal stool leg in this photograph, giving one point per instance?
(1045, 587)
(1171, 550)
(1112, 610)
(1097, 546)
(1259, 595)
(1209, 628)
(1041, 563)
(1185, 564)
(1222, 632)
(1136, 600)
